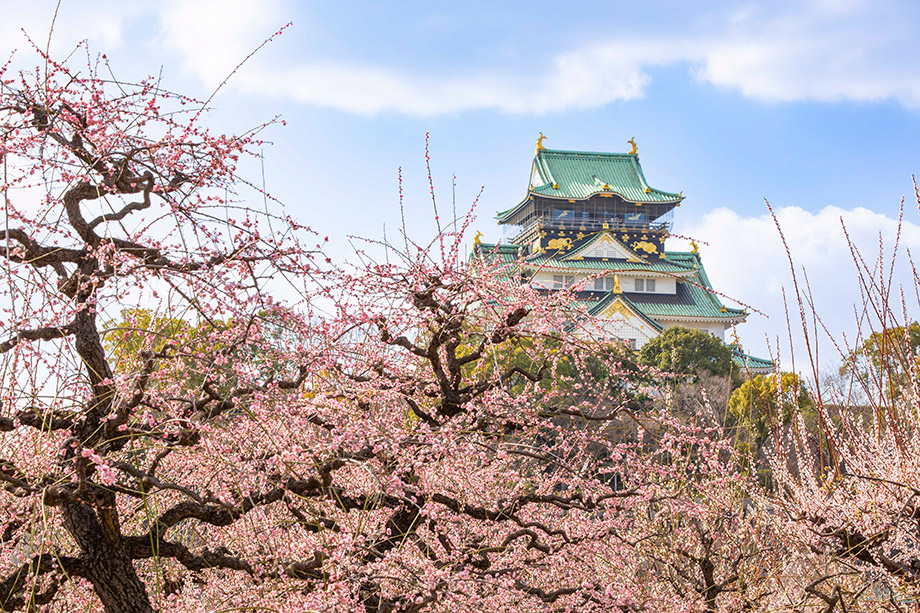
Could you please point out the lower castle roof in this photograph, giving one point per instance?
(694, 299)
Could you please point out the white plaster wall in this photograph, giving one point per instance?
(663, 285)
(545, 279)
(716, 329)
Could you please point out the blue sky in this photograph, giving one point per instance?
(813, 105)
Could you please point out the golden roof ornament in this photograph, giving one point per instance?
(632, 142)
(478, 238)
(694, 248)
(540, 140)
(616, 285)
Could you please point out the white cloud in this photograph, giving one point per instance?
(745, 259)
(101, 21)
(821, 50)
(824, 51)
(214, 36)
(211, 46)
(374, 90)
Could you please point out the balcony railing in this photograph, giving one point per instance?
(586, 223)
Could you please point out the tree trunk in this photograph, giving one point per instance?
(107, 563)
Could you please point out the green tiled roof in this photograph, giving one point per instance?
(691, 300)
(554, 261)
(688, 258)
(694, 297)
(749, 362)
(581, 174)
(505, 253)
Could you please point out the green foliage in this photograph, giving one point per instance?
(565, 373)
(687, 352)
(143, 330)
(766, 400)
(193, 352)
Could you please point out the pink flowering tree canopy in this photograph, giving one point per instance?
(200, 412)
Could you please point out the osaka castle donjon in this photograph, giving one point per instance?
(590, 221)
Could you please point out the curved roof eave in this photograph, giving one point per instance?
(703, 318)
(675, 200)
(530, 193)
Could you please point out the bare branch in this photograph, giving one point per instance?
(38, 334)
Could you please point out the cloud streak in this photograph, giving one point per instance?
(822, 50)
(818, 51)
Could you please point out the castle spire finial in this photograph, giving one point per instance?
(540, 140)
(632, 142)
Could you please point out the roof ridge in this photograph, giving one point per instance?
(573, 152)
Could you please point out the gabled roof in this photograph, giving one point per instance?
(692, 259)
(694, 297)
(611, 299)
(505, 253)
(549, 262)
(581, 174)
(574, 259)
(578, 175)
(579, 251)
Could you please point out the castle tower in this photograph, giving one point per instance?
(591, 222)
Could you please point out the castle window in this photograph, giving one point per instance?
(560, 281)
(644, 285)
(609, 252)
(604, 284)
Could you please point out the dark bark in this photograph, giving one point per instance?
(106, 561)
